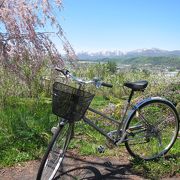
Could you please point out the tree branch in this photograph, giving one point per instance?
(2, 3)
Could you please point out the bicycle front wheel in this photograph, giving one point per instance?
(53, 158)
(152, 129)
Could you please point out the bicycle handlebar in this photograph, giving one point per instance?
(106, 85)
(95, 81)
(65, 72)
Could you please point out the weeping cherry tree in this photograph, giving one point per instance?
(24, 46)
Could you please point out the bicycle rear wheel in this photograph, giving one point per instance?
(152, 130)
(53, 158)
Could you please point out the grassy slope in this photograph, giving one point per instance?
(163, 61)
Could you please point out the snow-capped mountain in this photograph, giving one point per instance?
(99, 55)
(154, 52)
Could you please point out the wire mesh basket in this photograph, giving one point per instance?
(70, 103)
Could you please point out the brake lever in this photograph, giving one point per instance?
(97, 82)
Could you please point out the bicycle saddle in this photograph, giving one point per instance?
(136, 86)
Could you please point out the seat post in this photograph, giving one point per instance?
(130, 96)
(124, 113)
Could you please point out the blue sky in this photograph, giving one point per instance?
(94, 25)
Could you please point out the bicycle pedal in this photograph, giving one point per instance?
(101, 149)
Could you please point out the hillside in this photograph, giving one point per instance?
(166, 61)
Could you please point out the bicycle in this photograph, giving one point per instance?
(148, 130)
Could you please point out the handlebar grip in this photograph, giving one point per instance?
(106, 85)
(63, 71)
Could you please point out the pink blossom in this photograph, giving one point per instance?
(21, 44)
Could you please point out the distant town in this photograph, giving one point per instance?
(160, 62)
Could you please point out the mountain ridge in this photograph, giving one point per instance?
(153, 52)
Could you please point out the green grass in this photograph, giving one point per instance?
(165, 166)
(99, 102)
(24, 129)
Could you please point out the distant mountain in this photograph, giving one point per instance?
(154, 52)
(99, 55)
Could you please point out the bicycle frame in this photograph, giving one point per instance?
(121, 124)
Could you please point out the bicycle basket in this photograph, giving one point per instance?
(70, 103)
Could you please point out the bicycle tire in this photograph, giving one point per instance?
(53, 158)
(152, 129)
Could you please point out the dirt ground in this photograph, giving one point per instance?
(78, 168)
